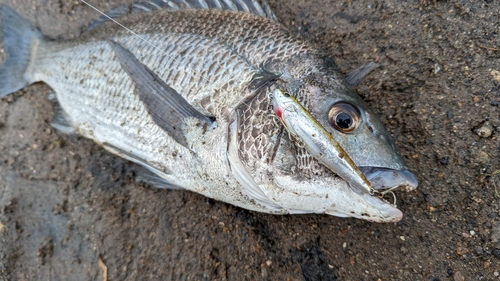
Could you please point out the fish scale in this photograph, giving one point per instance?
(188, 71)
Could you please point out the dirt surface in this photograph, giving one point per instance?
(71, 211)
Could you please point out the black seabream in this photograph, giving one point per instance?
(216, 97)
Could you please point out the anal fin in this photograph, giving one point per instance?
(166, 106)
(146, 173)
(61, 119)
(149, 177)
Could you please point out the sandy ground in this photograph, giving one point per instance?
(71, 211)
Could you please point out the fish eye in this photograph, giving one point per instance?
(344, 117)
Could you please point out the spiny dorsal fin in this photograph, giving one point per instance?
(257, 7)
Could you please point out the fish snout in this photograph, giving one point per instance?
(385, 179)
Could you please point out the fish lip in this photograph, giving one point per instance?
(387, 212)
(381, 211)
(389, 179)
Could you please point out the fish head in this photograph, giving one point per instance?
(358, 130)
(304, 183)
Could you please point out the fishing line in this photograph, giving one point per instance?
(143, 39)
(123, 26)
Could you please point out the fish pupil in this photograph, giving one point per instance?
(344, 120)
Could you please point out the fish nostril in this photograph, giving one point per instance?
(370, 128)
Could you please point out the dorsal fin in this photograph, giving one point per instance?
(257, 7)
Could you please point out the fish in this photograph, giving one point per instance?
(216, 97)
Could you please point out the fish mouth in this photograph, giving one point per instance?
(386, 179)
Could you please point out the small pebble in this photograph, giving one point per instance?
(263, 272)
(495, 74)
(458, 276)
(444, 160)
(449, 272)
(496, 273)
(437, 68)
(479, 250)
(485, 130)
(481, 157)
(496, 253)
(462, 251)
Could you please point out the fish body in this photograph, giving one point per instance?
(188, 95)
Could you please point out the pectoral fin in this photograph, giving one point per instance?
(168, 108)
(354, 77)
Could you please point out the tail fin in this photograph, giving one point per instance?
(19, 36)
